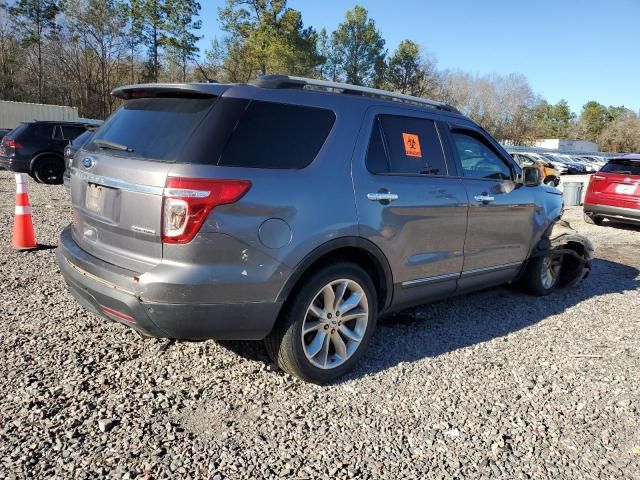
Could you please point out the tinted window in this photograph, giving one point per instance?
(275, 135)
(377, 161)
(478, 159)
(413, 146)
(155, 128)
(41, 130)
(71, 132)
(622, 167)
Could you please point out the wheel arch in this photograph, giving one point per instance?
(352, 249)
(41, 155)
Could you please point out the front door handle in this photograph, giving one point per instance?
(484, 198)
(382, 197)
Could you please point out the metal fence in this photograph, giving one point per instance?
(511, 148)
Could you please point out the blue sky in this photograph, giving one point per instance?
(579, 50)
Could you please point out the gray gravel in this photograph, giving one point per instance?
(492, 385)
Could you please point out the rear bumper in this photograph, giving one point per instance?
(110, 292)
(13, 164)
(618, 213)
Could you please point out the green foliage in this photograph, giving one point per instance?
(180, 25)
(265, 36)
(594, 118)
(404, 69)
(554, 121)
(36, 17)
(358, 49)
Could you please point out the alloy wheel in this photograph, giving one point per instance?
(335, 323)
(550, 271)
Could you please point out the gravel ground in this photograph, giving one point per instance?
(492, 385)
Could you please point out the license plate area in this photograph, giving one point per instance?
(94, 199)
(625, 189)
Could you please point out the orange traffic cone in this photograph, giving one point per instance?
(23, 236)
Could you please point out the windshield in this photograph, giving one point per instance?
(82, 139)
(151, 128)
(622, 167)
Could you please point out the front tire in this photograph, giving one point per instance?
(49, 170)
(327, 326)
(542, 275)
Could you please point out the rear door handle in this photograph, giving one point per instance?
(484, 198)
(382, 197)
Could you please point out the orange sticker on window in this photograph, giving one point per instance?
(412, 145)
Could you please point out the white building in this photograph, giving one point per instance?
(562, 144)
(12, 113)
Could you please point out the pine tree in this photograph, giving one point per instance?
(359, 48)
(36, 18)
(180, 27)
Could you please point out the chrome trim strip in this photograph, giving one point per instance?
(97, 279)
(422, 281)
(504, 266)
(116, 183)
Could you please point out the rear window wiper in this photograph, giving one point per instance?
(106, 144)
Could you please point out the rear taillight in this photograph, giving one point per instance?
(187, 202)
(597, 178)
(10, 146)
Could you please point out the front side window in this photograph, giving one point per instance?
(478, 159)
(405, 145)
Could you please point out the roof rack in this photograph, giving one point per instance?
(286, 81)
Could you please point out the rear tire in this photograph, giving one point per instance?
(542, 275)
(49, 170)
(334, 340)
(593, 220)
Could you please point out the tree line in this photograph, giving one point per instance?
(74, 52)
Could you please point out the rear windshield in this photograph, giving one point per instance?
(622, 167)
(13, 134)
(152, 128)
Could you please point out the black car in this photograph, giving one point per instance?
(71, 149)
(37, 148)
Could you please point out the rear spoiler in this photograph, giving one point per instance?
(189, 90)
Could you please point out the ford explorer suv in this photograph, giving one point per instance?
(297, 211)
(614, 192)
(37, 148)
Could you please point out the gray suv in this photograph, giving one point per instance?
(297, 211)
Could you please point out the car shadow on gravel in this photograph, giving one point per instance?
(630, 227)
(438, 328)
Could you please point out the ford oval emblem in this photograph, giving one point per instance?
(88, 163)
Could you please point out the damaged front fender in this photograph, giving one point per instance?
(576, 249)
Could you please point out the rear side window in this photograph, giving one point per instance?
(622, 167)
(278, 136)
(67, 132)
(42, 131)
(478, 159)
(154, 128)
(411, 145)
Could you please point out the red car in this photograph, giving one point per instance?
(614, 192)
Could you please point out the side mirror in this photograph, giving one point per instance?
(531, 176)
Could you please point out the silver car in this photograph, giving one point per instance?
(298, 211)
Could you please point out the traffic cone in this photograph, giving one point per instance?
(23, 236)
